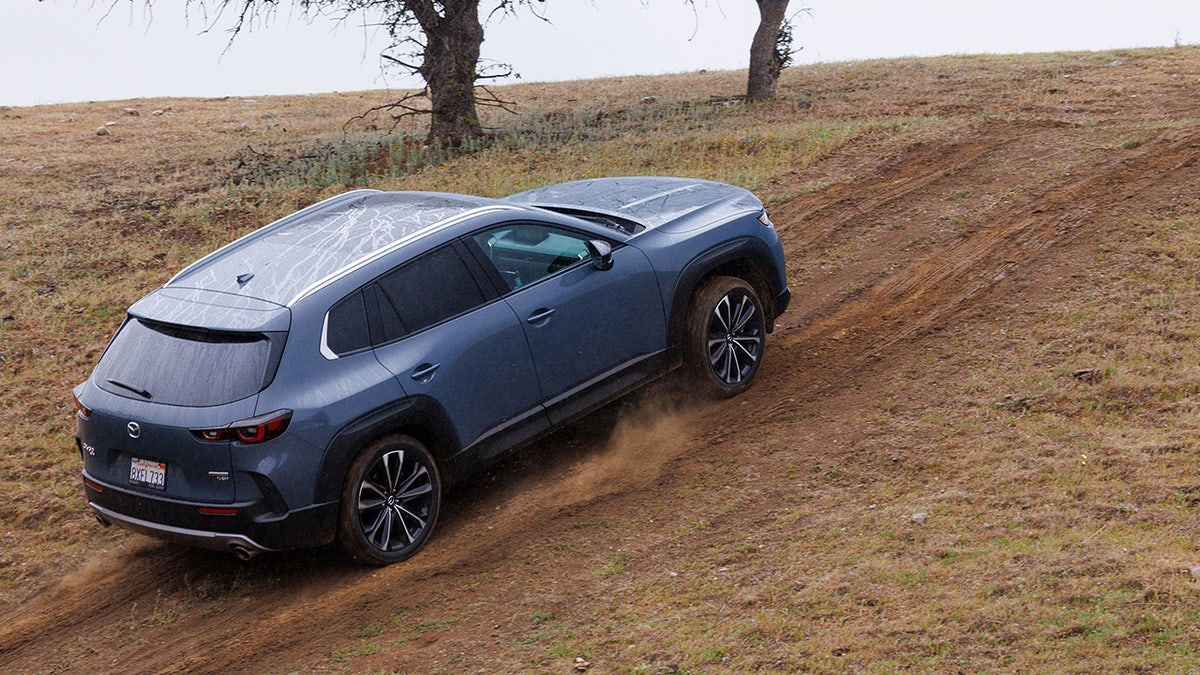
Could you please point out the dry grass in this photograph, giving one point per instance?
(1058, 483)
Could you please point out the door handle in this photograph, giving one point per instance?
(540, 316)
(425, 371)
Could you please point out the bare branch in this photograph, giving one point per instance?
(411, 67)
(490, 99)
(403, 105)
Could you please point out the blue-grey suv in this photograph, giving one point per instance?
(329, 375)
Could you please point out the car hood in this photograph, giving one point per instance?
(651, 201)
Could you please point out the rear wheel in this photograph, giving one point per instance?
(726, 328)
(389, 502)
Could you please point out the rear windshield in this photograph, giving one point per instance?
(184, 366)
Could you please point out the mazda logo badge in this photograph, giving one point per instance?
(134, 429)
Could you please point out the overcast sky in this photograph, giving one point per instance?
(62, 50)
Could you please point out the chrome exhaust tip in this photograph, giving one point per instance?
(244, 554)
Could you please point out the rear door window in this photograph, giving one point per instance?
(424, 292)
(175, 365)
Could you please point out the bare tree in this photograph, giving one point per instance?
(437, 39)
(770, 52)
(446, 37)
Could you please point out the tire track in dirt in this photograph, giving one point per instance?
(296, 606)
(928, 294)
(89, 598)
(115, 599)
(839, 340)
(840, 205)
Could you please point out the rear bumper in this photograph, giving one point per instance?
(251, 526)
(220, 541)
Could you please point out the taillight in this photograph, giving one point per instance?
(254, 430)
(84, 411)
(765, 219)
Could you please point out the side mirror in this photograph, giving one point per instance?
(601, 254)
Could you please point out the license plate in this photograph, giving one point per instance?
(148, 473)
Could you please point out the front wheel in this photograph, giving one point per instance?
(726, 328)
(389, 502)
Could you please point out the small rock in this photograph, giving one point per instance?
(1018, 403)
(110, 124)
(1195, 572)
(102, 131)
(920, 517)
(157, 113)
(242, 127)
(1086, 374)
(647, 100)
(130, 112)
(581, 664)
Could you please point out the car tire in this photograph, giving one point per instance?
(389, 501)
(726, 331)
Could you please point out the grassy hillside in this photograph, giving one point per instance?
(974, 446)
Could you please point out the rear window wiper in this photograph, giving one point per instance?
(137, 390)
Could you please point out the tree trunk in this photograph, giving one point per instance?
(449, 67)
(765, 60)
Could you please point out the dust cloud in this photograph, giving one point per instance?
(643, 441)
(649, 432)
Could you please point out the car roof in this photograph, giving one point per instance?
(284, 261)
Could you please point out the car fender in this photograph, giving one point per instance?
(750, 249)
(427, 424)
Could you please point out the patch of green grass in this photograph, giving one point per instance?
(371, 630)
(614, 564)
